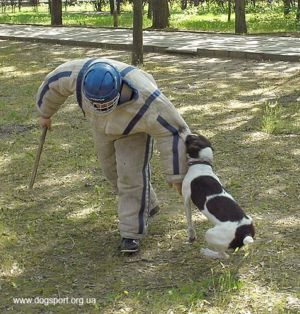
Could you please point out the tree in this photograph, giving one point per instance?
(98, 5)
(137, 33)
(115, 4)
(240, 17)
(56, 12)
(183, 4)
(161, 14)
(287, 7)
(298, 12)
(149, 14)
(115, 15)
(114, 11)
(229, 11)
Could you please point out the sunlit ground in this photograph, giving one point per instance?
(61, 239)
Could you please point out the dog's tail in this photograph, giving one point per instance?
(248, 240)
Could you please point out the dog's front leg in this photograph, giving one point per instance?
(188, 214)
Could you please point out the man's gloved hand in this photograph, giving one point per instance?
(45, 123)
(178, 187)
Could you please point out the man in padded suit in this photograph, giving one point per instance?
(126, 110)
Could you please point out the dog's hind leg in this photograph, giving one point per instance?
(214, 254)
(216, 238)
(188, 214)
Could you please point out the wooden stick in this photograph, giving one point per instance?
(37, 158)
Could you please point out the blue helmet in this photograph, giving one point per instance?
(101, 86)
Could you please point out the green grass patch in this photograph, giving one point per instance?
(278, 119)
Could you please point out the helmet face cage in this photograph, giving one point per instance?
(105, 107)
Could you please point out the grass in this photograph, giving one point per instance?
(261, 19)
(271, 121)
(277, 119)
(60, 240)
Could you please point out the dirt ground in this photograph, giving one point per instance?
(60, 240)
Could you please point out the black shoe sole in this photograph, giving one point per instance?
(129, 251)
(129, 247)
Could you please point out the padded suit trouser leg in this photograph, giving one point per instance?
(107, 156)
(136, 195)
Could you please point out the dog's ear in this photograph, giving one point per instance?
(191, 143)
(203, 141)
(188, 139)
(195, 143)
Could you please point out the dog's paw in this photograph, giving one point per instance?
(191, 239)
(191, 234)
(213, 254)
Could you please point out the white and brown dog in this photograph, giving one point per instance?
(201, 186)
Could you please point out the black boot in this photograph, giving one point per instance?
(130, 245)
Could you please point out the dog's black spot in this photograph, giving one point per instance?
(240, 234)
(225, 209)
(203, 186)
(195, 143)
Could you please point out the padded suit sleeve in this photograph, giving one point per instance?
(56, 88)
(166, 125)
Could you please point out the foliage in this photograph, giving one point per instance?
(261, 18)
(61, 240)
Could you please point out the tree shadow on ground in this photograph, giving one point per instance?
(61, 239)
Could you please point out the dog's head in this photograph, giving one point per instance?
(199, 147)
(244, 234)
(229, 236)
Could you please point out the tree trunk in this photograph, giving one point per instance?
(160, 14)
(183, 4)
(115, 14)
(229, 11)
(56, 12)
(119, 7)
(98, 5)
(287, 7)
(111, 6)
(50, 6)
(137, 33)
(149, 14)
(240, 17)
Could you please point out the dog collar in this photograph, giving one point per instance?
(198, 162)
